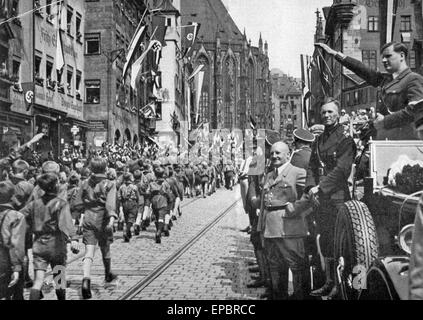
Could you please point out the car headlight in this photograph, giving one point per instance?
(405, 238)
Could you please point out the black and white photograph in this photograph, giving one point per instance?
(209, 155)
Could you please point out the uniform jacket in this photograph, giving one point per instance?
(278, 190)
(395, 95)
(12, 237)
(128, 192)
(301, 157)
(337, 152)
(189, 173)
(49, 215)
(416, 259)
(143, 191)
(161, 195)
(97, 198)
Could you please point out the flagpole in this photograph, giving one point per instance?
(32, 103)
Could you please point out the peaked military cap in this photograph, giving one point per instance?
(303, 135)
(272, 137)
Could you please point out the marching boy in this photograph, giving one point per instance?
(129, 198)
(12, 240)
(50, 222)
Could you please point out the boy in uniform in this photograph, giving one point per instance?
(97, 196)
(161, 199)
(129, 198)
(12, 240)
(50, 222)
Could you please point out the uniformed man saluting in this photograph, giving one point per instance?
(330, 165)
(401, 91)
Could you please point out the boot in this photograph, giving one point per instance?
(166, 230)
(330, 283)
(120, 226)
(128, 234)
(28, 281)
(61, 294)
(301, 284)
(333, 294)
(35, 294)
(159, 228)
(137, 229)
(86, 288)
(144, 225)
(109, 276)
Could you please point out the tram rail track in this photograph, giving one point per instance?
(82, 253)
(135, 290)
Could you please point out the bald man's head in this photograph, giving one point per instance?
(279, 154)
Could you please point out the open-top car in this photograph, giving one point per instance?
(373, 232)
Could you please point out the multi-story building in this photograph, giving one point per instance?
(172, 128)
(288, 93)
(38, 66)
(358, 28)
(112, 106)
(236, 74)
(16, 125)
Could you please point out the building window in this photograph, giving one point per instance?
(412, 58)
(369, 58)
(38, 80)
(69, 80)
(168, 22)
(92, 43)
(204, 106)
(16, 66)
(78, 32)
(405, 24)
(92, 91)
(78, 85)
(69, 20)
(49, 71)
(60, 84)
(373, 24)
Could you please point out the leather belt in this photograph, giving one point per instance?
(276, 208)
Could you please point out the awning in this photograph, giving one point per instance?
(79, 122)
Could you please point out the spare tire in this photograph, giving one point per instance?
(356, 247)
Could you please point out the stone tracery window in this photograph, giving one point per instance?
(204, 107)
(229, 87)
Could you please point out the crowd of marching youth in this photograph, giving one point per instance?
(46, 210)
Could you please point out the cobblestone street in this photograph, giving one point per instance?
(215, 267)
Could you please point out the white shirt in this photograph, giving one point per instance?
(282, 167)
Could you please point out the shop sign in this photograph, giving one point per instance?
(74, 130)
(97, 125)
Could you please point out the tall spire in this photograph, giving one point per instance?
(266, 48)
(260, 43)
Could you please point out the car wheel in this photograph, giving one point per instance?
(356, 247)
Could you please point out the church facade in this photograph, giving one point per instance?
(236, 74)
